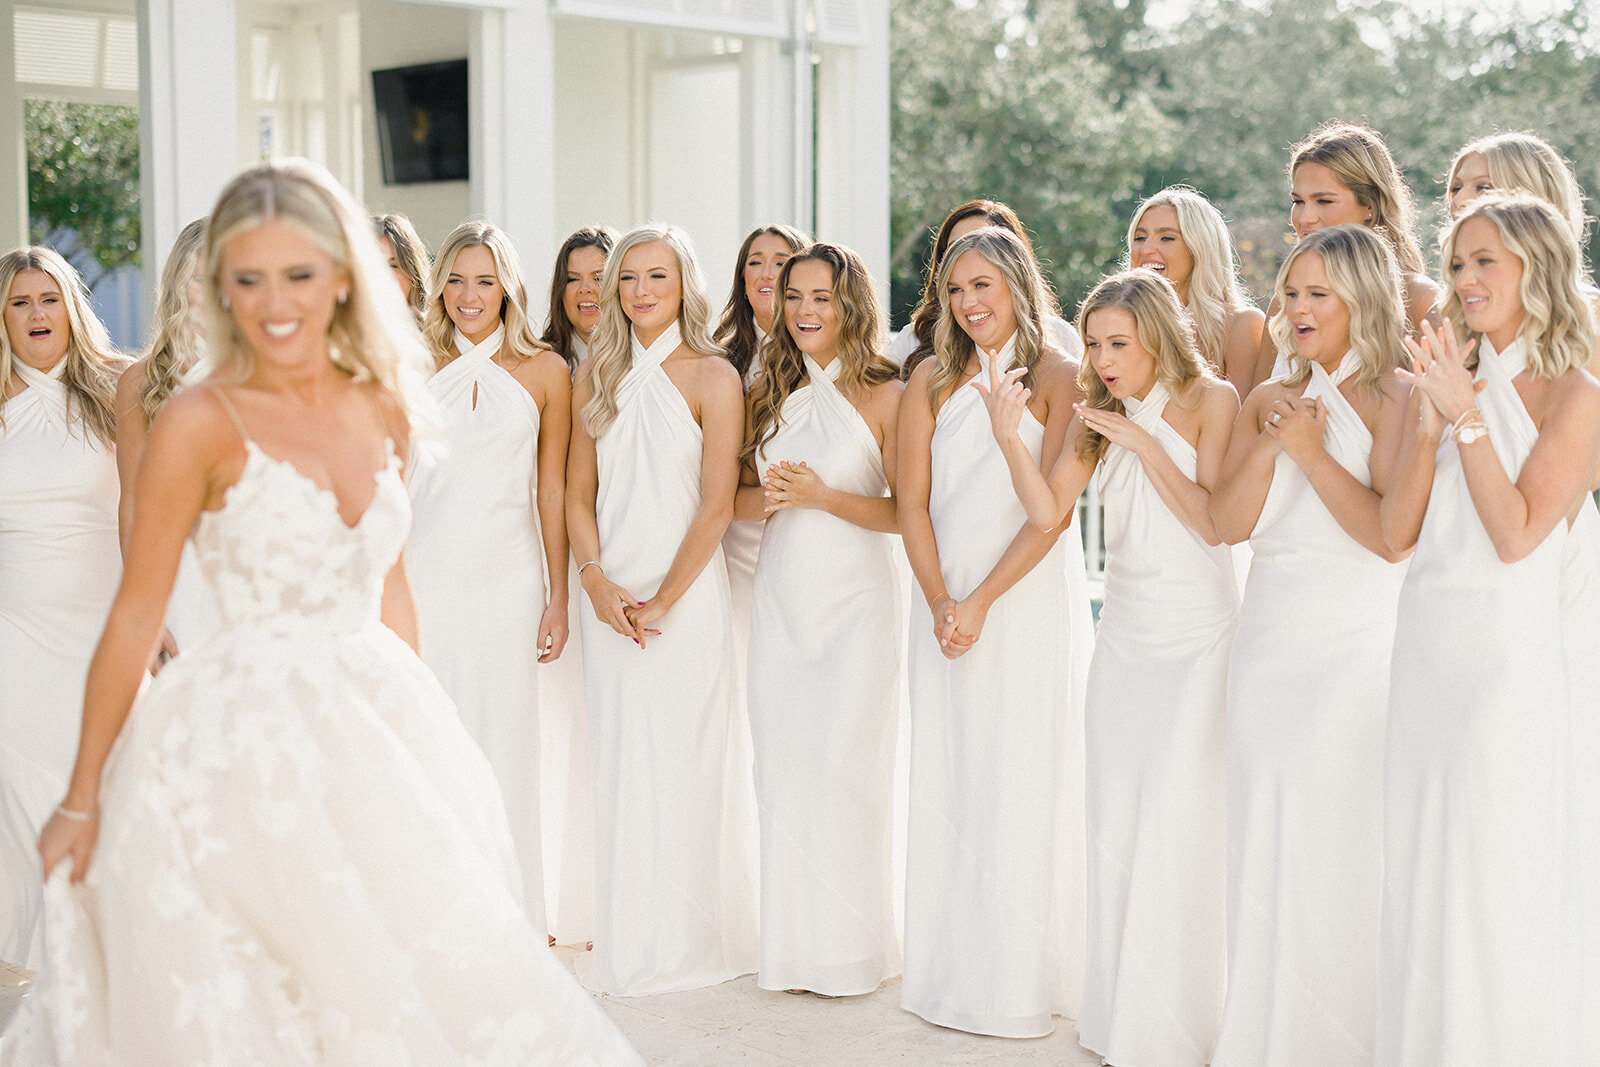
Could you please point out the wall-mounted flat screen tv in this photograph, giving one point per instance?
(422, 122)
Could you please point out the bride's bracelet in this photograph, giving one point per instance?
(588, 563)
(76, 816)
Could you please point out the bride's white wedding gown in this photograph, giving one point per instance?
(302, 856)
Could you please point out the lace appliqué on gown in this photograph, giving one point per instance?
(303, 858)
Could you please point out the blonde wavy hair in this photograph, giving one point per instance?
(611, 352)
(1165, 331)
(92, 363)
(1361, 161)
(1558, 329)
(372, 336)
(1363, 274)
(175, 350)
(860, 347)
(1521, 162)
(520, 340)
(1031, 301)
(1215, 292)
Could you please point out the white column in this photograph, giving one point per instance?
(512, 128)
(13, 146)
(189, 73)
(853, 147)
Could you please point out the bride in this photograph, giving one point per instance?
(292, 853)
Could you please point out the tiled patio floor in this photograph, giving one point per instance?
(738, 1023)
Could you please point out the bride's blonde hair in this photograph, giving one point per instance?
(611, 352)
(373, 335)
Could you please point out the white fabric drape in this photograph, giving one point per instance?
(1157, 797)
(59, 568)
(1307, 690)
(476, 562)
(995, 857)
(1482, 927)
(824, 708)
(674, 803)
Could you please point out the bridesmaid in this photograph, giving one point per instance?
(743, 333)
(1179, 234)
(407, 258)
(994, 920)
(565, 794)
(658, 419)
(1310, 459)
(1157, 418)
(1482, 953)
(575, 292)
(914, 342)
(1344, 175)
(488, 548)
(1522, 162)
(59, 560)
(141, 392)
(824, 685)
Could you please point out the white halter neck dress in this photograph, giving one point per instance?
(476, 562)
(1157, 787)
(1307, 691)
(674, 805)
(1482, 910)
(824, 709)
(59, 568)
(994, 933)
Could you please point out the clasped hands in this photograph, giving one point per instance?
(616, 607)
(793, 485)
(1439, 372)
(957, 624)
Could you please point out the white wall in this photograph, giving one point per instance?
(398, 35)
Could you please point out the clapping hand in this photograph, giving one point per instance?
(1439, 372)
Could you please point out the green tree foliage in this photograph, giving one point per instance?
(1112, 111)
(83, 173)
(1244, 81)
(1008, 101)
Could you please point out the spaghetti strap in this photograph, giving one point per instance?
(233, 415)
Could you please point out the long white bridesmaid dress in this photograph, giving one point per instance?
(59, 568)
(1307, 690)
(1157, 786)
(476, 562)
(1580, 623)
(741, 547)
(824, 710)
(1481, 953)
(995, 923)
(674, 805)
(566, 800)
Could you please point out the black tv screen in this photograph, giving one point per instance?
(422, 122)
